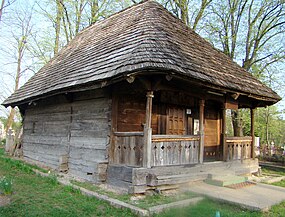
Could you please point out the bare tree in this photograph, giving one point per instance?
(247, 30)
(20, 36)
(1, 9)
(184, 8)
(4, 6)
(57, 24)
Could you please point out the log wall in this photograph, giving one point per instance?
(72, 131)
(45, 136)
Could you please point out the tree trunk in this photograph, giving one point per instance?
(267, 127)
(94, 10)
(78, 16)
(237, 127)
(57, 25)
(203, 6)
(1, 9)
(21, 45)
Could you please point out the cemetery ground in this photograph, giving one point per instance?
(34, 195)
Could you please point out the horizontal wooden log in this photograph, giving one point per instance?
(44, 139)
(238, 141)
(87, 154)
(89, 143)
(127, 134)
(44, 159)
(175, 139)
(45, 149)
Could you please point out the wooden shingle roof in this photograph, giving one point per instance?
(144, 36)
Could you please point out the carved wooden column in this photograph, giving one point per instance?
(201, 129)
(224, 131)
(148, 131)
(252, 133)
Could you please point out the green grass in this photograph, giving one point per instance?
(146, 202)
(275, 171)
(34, 195)
(208, 208)
(281, 183)
(269, 170)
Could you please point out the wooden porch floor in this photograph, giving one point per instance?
(160, 178)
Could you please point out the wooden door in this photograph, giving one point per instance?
(212, 134)
(176, 121)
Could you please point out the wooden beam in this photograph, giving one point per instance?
(148, 131)
(252, 133)
(224, 131)
(201, 129)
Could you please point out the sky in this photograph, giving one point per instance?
(41, 25)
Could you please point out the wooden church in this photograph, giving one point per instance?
(139, 100)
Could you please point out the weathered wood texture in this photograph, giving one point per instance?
(132, 113)
(46, 127)
(73, 135)
(166, 150)
(89, 137)
(140, 180)
(238, 148)
(174, 150)
(128, 148)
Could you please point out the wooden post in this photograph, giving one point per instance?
(224, 132)
(148, 131)
(201, 129)
(252, 133)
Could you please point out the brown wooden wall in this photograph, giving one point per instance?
(131, 114)
(77, 126)
(168, 117)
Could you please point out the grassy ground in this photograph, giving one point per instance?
(38, 196)
(277, 171)
(146, 202)
(208, 208)
(43, 196)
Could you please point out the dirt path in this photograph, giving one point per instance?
(4, 200)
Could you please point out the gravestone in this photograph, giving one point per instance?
(10, 139)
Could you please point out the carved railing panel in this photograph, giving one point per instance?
(174, 150)
(238, 148)
(128, 148)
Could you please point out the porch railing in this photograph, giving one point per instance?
(174, 150)
(128, 148)
(166, 149)
(238, 148)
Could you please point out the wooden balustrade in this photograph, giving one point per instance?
(128, 148)
(174, 150)
(238, 148)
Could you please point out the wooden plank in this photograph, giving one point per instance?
(175, 139)
(201, 129)
(252, 129)
(128, 134)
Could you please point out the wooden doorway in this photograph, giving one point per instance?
(212, 128)
(176, 121)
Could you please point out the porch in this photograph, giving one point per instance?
(137, 180)
(172, 138)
